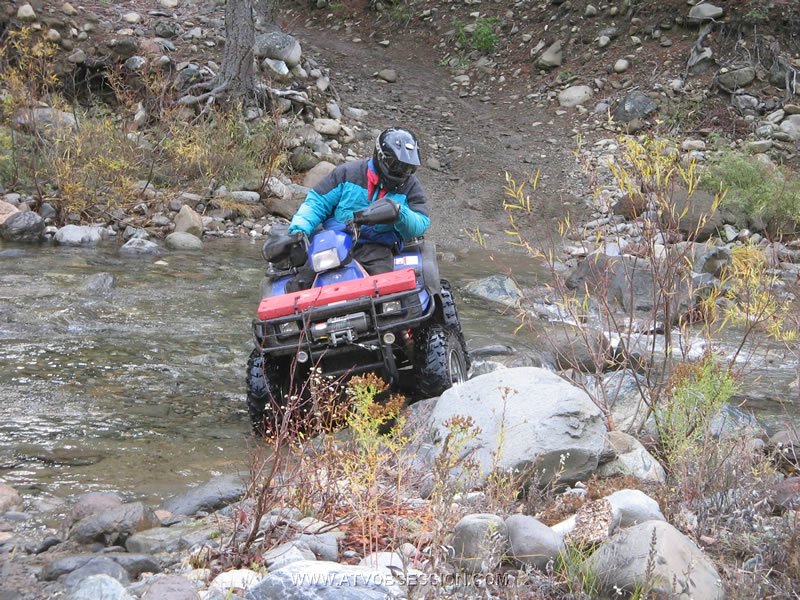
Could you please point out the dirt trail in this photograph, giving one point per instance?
(476, 140)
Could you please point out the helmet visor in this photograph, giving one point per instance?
(399, 169)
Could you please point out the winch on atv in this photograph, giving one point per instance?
(402, 325)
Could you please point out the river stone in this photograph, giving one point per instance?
(210, 496)
(278, 46)
(573, 347)
(388, 75)
(188, 221)
(99, 565)
(115, 525)
(283, 207)
(237, 579)
(479, 542)
(287, 553)
(632, 459)
(624, 562)
(552, 57)
(183, 241)
(78, 235)
(24, 226)
(26, 13)
(48, 123)
(97, 587)
(556, 426)
(140, 247)
(318, 173)
(325, 546)
(633, 507)
(9, 498)
(92, 503)
(635, 105)
(100, 283)
(737, 78)
(134, 564)
(329, 127)
(575, 95)
(791, 127)
(322, 580)
(500, 289)
(381, 560)
(6, 210)
(705, 12)
(532, 542)
(302, 159)
(170, 587)
(171, 539)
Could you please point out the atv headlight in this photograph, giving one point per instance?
(288, 328)
(325, 260)
(392, 307)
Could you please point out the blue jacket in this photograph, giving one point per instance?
(351, 187)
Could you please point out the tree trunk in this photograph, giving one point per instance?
(237, 74)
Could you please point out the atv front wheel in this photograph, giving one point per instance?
(439, 360)
(263, 393)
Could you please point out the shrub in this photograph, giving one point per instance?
(765, 194)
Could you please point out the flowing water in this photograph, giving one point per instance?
(140, 389)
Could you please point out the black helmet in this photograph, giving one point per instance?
(396, 156)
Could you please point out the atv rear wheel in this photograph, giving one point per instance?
(263, 393)
(439, 360)
(450, 318)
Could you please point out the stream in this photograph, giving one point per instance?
(139, 388)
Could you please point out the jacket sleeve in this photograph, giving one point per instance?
(319, 204)
(414, 220)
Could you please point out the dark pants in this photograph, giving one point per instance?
(373, 257)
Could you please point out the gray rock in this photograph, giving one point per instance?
(317, 174)
(245, 196)
(325, 546)
(287, 553)
(26, 13)
(302, 159)
(479, 542)
(6, 210)
(330, 127)
(357, 114)
(78, 235)
(745, 104)
(99, 587)
(624, 562)
(732, 422)
(307, 580)
(388, 75)
(9, 498)
(737, 78)
(532, 542)
(635, 105)
(24, 226)
(92, 503)
(500, 289)
(48, 123)
(622, 65)
(171, 539)
(135, 232)
(632, 459)
(183, 241)
(99, 565)
(100, 283)
(188, 221)
(380, 560)
(633, 507)
(140, 247)
(575, 95)
(278, 46)
(705, 12)
(210, 496)
(552, 57)
(556, 426)
(115, 525)
(572, 347)
(791, 127)
(134, 564)
(170, 587)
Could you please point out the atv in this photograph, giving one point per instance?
(402, 325)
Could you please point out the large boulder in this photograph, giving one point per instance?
(24, 226)
(114, 526)
(210, 496)
(322, 580)
(278, 46)
(172, 539)
(632, 459)
(530, 420)
(134, 564)
(99, 586)
(499, 289)
(572, 347)
(6, 210)
(183, 241)
(625, 562)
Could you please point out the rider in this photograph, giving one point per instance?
(350, 187)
